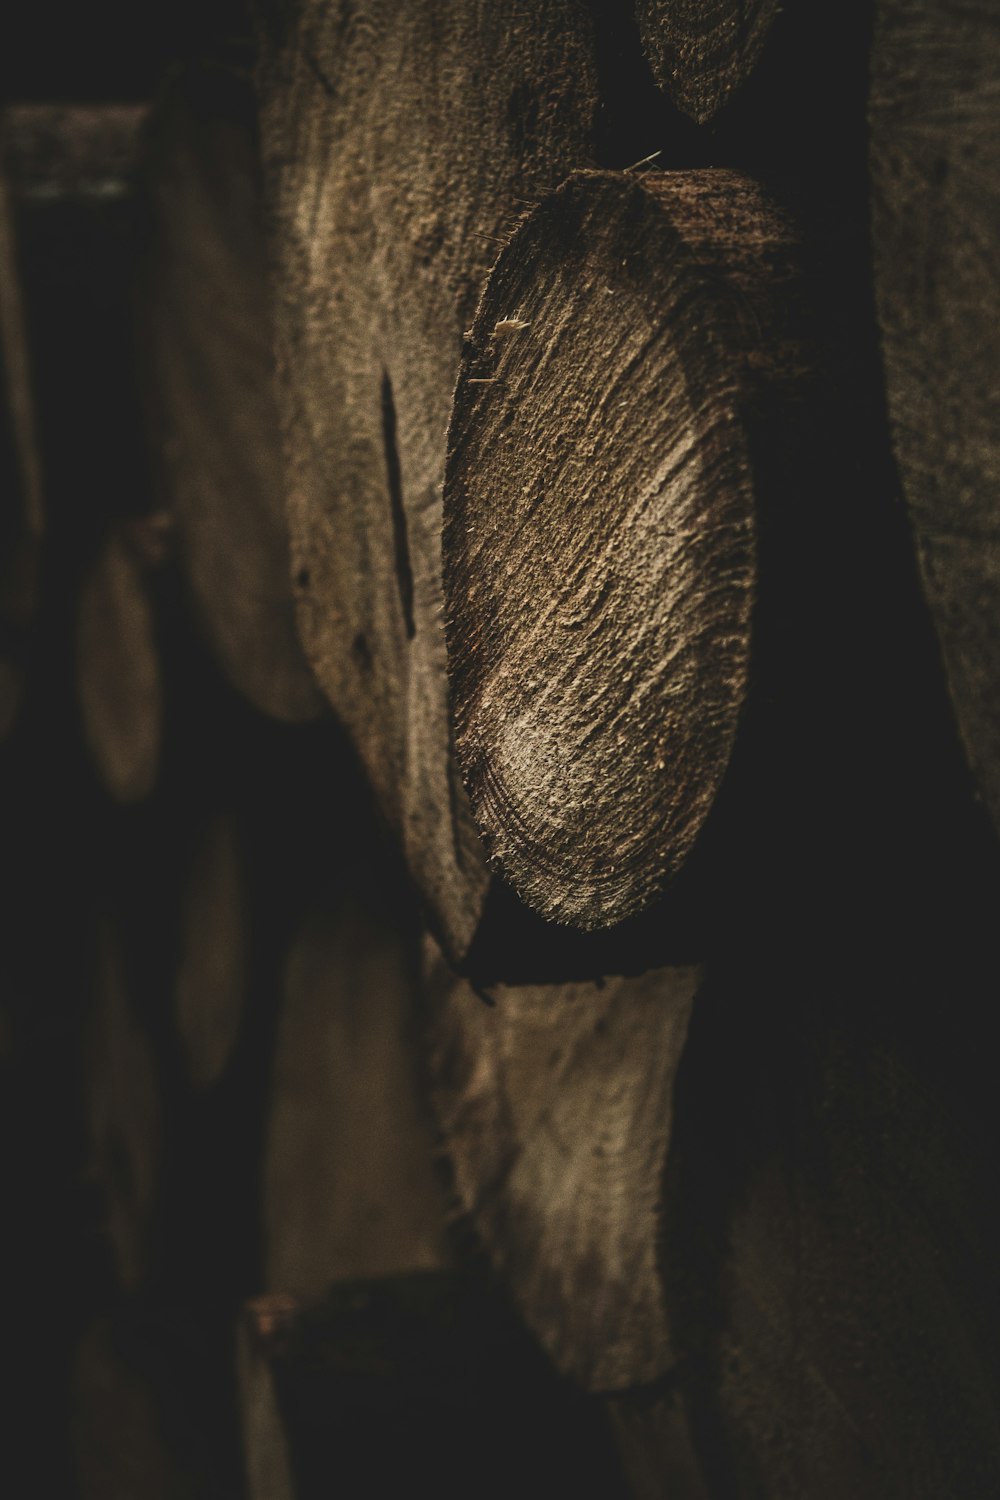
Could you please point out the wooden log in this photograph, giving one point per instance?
(600, 527)
(211, 980)
(702, 53)
(123, 1112)
(935, 167)
(555, 1107)
(399, 143)
(425, 1374)
(206, 357)
(118, 670)
(349, 1185)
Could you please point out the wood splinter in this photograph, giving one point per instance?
(600, 528)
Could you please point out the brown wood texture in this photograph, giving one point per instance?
(348, 1178)
(118, 675)
(211, 982)
(935, 164)
(399, 141)
(204, 324)
(554, 1106)
(702, 51)
(600, 527)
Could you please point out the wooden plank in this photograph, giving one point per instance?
(555, 1107)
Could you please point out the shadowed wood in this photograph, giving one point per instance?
(935, 163)
(599, 534)
(702, 51)
(212, 970)
(118, 671)
(349, 1187)
(266, 1460)
(205, 325)
(120, 1448)
(555, 1108)
(123, 1112)
(21, 502)
(399, 141)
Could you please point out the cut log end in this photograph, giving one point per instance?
(599, 542)
(555, 1109)
(701, 54)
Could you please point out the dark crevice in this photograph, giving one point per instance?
(401, 547)
(635, 118)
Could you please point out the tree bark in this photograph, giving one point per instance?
(555, 1107)
(600, 526)
(935, 164)
(399, 142)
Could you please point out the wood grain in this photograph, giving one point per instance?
(935, 166)
(554, 1106)
(399, 141)
(204, 321)
(702, 51)
(118, 674)
(600, 528)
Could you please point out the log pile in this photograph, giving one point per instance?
(487, 705)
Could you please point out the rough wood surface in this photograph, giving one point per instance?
(702, 51)
(206, 350)
(599, 531)
(554, 1106)
(935, 164)
(118, 671)
(349, 1187)
(123, 1112)
(212, 968)
(399, 141)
